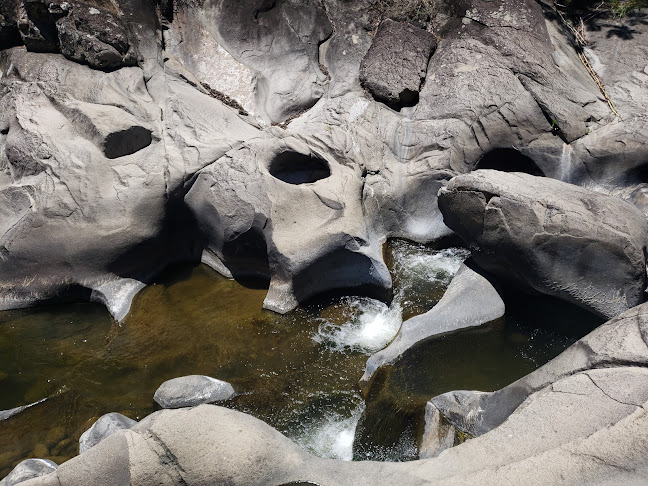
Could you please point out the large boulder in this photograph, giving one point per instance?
(396, 62)
(551, 237)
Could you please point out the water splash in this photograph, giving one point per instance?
(332, 436)
(371, 325)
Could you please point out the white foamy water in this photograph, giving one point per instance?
(371, 326)
(413, 262)
(332, 437)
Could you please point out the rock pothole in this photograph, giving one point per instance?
(295, 168)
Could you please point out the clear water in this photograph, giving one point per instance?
(298, 372)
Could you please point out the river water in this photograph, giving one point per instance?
(298, 372)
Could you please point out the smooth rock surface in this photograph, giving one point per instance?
(28, 469)
(623, 341)
(550, 237)
(189, 391)
(471, 300)
(105, 426)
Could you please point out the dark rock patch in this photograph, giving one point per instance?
(396, 63)
(508, 160)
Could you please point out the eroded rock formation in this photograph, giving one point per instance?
(134, 135)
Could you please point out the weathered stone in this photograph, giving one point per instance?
(619, 342)
(396, 62)
(189, 391)
(104, 426)
(550, 237)
(28, 469)
(470, 301)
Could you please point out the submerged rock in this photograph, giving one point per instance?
(105, 426)
(28, 469)
(189, 391)
(551, 237)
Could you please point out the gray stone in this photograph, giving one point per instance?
(396, 62)
(106, 425)
(471, 300)
(551, 237)
(28, 469)
(619, 342)
(192, 390)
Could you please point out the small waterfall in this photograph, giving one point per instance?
(566, 164)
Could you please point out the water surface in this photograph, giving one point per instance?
(298, 372)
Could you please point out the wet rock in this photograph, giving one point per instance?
(619, 342)
(5, 414)
(105, 426)
(28, 469)
(550, 237)
(189, 391)
(396, 62)
(470, 300)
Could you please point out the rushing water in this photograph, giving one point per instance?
(297, 372)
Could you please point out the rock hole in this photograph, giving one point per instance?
(247, 258)
(126, 142)
(295, 168)
(508, 160)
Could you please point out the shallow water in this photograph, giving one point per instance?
(297, 372)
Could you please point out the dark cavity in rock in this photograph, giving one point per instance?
(247, 257)
(508, 160)
(296, 168)
(126, 142)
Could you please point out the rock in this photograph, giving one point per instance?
(189, 391)
(471, 300)
(320, 242)
(396, 62)
(528, 231)
(85, 33)
(619, 342)
(28, 469)
(205, 444)
(105, 426)
(93, 35)
(5, 414)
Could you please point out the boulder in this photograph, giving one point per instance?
(396, 62)
(106, 425)
(28, 469)
(551, 237)
(193, 390)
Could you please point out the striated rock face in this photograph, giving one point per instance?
(551, 237)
